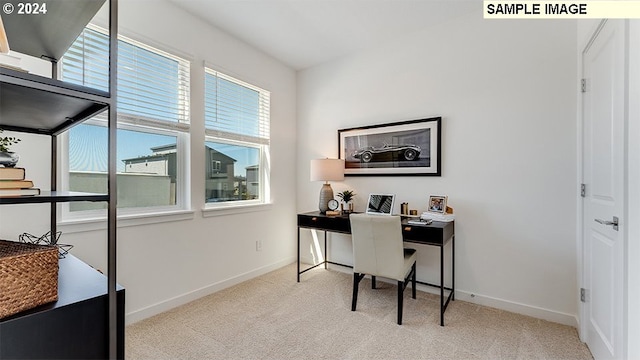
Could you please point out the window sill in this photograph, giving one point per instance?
(222, 210)
(100, 222)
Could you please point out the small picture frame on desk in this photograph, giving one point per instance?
(437, 204)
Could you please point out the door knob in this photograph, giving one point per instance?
(613, 223)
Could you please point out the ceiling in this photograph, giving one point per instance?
(305, 33)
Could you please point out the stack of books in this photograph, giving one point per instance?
(12, 183)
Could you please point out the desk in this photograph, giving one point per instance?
(435, 234)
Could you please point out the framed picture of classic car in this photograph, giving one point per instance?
(400, 148)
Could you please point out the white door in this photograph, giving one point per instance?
(603, 172)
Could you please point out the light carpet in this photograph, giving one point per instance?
(274, 317)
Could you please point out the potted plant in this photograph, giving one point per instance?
(8, 158)
(346, 196)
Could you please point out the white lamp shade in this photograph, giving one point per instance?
(327, 170)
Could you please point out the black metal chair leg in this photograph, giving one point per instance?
(400, 298)
(355, 291)
(373, 282)
(413, 281)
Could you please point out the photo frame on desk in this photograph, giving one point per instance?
(396, 149)
(437, 204)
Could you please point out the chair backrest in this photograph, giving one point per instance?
(377, 245)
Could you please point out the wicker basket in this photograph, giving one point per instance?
(28, 276)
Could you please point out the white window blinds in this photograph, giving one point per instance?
(87, 61)
(152, 85)
(235, 110)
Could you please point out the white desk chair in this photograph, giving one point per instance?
(378, 251)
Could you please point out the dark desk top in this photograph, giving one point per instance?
(436, 233)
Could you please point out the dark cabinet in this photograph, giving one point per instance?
(74, 327)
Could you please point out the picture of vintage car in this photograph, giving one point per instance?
(387, 153)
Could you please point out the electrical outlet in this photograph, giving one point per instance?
(258, 245)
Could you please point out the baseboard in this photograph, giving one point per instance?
(169, 304)
(506, 305)
(524, 309)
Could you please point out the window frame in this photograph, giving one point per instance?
(216, 166)
(264, 173)
(180, 129)
(183, 193)
(263, 176)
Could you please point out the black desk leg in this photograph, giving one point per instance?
(298, 254)
(326, 256)
(442, 285)
(453, 268)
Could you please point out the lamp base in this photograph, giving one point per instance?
(326, 194)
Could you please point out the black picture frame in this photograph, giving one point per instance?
(406, 148)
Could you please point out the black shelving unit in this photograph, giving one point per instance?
(47, 106)
(31, 103)
(55, 197)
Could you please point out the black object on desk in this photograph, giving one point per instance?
(436, 234)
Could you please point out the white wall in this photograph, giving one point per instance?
(165, 264)
(163, 261)
(506, 91)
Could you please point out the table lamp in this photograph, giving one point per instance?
(326, 170)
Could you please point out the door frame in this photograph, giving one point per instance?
(631, 209)
(633, 192)
(582, 47)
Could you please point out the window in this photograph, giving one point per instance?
(237, 140)
(216, 167)
(153, 124)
